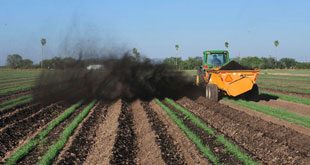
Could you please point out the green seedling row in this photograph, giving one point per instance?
(283, 80)
(281, 83)
(16, 79)
(26, 148)
(17, 83)
(294, 99)
(56, 147)
(296, 78)
(306, 91)
(275, 112)
(229, 146)
(191, 135)
(13, 102)
(3, 91)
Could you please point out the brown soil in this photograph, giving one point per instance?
(10, 95)
(11, 111)
(268, 142)
(148, 151)
(13, 86)
(105, 137)
(34, 155)
(286, 86)
(287, 82)
(80, 143)
(284, 80)
(13, 136)
(268, 118)
(300, 109)
(185, 146)
(218, 149)
(16, 80)
(285, 92)
(125, 146)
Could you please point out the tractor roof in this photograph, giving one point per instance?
(215, 51)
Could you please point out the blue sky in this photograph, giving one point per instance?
(155, 27)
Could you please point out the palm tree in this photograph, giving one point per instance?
(276, 43)
(177, 49)
(226, 44)
(43, 42)
(136, 53)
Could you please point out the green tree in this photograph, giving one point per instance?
(288, 63)
(43, 42)
(276, 44)
(252, 62)
(136, 53)
(27, 64)
(14, 60)
(226, 45)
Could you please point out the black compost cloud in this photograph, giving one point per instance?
(125, 78)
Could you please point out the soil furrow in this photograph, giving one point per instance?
(148, 151)
(300, 109)
(13, 96)
(13, 136)
(79, 145)
(218, 149)
(268, 142)
(34, 156)
(17, 80)
(101, 151)
(176, 149)
(21, 114)
(125, 146)
(286, 92)
(11, 111)
(13, 86)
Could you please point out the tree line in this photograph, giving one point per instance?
(191, 63)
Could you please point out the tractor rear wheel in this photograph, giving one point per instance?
(212, 92)
(253, 94)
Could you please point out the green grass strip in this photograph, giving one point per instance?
(17, 83)
(281, 83)
(13, 102)
(3, 91)
(306, 91)
(296, 78)
(275, 112)
(17, 79)
(286, 81)
(294, 99)
(26, 148)
(56, 147)
(230, 147)
(191, 135)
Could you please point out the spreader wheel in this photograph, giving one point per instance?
(212, 92)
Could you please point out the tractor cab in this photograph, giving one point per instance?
(215, 59)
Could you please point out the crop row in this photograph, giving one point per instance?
(288, 97)
(14, 102)
(275, 112)
(196, 140)
(26, 148)
(297, 78)
(56, 147)
(281, 83)
(24, 87)
(306, 91)
(18, 82)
